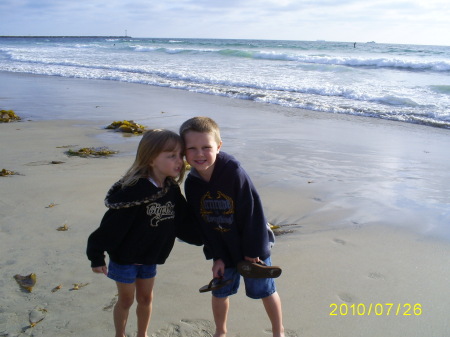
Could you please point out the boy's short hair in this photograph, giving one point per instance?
(201, 124)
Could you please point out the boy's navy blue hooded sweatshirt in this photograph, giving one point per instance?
(141, 224)
(230, 213)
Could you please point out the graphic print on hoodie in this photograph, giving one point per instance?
(218, 210)
(230, 213)
(159, 213)
(141, 224)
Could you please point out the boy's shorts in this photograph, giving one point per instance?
(128, 273)
(255, 288)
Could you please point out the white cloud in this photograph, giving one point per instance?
(411, 21)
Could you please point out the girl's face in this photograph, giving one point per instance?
(201, 152)
(167, 164)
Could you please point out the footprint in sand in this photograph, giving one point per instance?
(356, 225)
(345, 297)
(287, 333)
(340, 241)
(199, 324)
(199, 328)
(172, 330)
(44, 162)
(36, 316)
(9, 324)
(111, 304)
(187, 328)
(376, 276)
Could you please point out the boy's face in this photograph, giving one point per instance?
(201, 152)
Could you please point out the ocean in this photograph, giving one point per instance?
(406, 83)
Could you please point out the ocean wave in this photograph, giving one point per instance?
(441, 89)
(316, 99)
(370, 62)
(146, 48)
(235, 53)
(284, 74)
(396, 101)
(171, 50)
(183, 78)
(437, 66)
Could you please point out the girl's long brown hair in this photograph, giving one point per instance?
(153, 142)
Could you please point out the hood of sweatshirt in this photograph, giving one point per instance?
(230, 212)
(143, 192)
(225, 161)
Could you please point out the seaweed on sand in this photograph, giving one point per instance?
(5, 173)
(27, 282)
(63, 228)
(78, 286)
(58, 287)
(279, 229)
(7, 116)
(91, 152)
(127, 127)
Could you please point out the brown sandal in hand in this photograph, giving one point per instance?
(216, 283)
(258, 270)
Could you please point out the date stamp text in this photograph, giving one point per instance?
(376, 309)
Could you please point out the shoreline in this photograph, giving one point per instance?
(292, 111)
(358, 232)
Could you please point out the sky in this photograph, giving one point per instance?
(383, 21)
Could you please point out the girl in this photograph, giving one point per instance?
(146, 212)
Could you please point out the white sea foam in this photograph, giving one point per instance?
(407, 64)
(405, 83)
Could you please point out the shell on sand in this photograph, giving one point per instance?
(27, 282)
(36, 315)
(55, 289)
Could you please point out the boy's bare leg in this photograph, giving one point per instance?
(220, 308)
(144, 297)
(272, 304)
(122, 307)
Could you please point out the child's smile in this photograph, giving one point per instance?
(201, 152)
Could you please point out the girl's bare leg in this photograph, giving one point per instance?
(144, 297)
(122, 307)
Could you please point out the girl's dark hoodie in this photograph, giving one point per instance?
(141, 224)
(230, 213)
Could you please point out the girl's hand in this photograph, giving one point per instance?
(252, 259)
(218, 269)
(100, 270)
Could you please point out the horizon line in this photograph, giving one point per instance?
(63, 36)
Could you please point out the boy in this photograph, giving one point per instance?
(229, 210)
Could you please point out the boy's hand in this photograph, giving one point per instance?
(218, 269)
(100, 270)
(252, 259)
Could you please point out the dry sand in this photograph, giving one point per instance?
(345, 190)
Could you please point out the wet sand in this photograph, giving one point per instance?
(363, 205)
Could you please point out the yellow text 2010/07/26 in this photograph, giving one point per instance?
(376, 309)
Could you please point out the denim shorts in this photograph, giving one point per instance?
(128, 273)
(255, 288)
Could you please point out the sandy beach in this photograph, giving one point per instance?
(363, 205)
